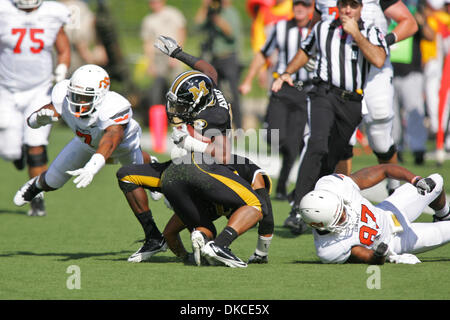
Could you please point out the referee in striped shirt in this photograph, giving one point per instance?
(286, 111)
(345, 48)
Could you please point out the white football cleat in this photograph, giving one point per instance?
(27, 193)
(222, 255)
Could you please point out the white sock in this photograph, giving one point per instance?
(262, 246)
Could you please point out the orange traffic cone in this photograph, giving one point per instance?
(158, 127)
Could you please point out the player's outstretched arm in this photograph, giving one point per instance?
(368, 177)
(109, 142)
(171, 48)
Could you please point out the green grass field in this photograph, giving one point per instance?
(95, 230)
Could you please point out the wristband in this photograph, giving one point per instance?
(415, 180)
(391, 38)
(96, 163)
(185, 57)
(192, 144)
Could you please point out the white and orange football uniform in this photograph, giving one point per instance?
(26, 71)
(114, 110)
(391, 219)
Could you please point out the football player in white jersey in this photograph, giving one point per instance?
(349, 228)
(378, 92)
(30, 30)
(103, 126)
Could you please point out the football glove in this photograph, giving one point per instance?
(425, 185)
(167, 46)
(179, 134)
(177, 152)
(85, 175)
(405, 258)
(381, 248)
(45, 116)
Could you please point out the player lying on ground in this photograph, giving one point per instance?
(349, 228)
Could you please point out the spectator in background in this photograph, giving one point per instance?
(84, 41)
(222, 24)
(171, 22)
(409, 129)
(433, 59)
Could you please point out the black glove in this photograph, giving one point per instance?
(380, 248)
(425, 185)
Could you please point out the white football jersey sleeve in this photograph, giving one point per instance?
(26, 44)
(370, 221)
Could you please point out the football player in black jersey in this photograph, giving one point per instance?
(133, 179)
(194, 100)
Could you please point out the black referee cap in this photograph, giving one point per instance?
(306, 3)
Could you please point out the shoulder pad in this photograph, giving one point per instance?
(113, 105)
(57, 9)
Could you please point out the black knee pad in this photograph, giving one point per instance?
(37, 160)
(387, 155)
(266, 224)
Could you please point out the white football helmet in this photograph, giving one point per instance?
(87, 88)
(323, 210)
(27, 4)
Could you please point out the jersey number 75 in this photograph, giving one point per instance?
(33, 32)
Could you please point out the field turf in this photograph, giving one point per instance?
(94, 229)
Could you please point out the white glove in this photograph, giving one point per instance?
(405, 258)
(155, 195)
(45, 116)
(177, 152)
(179, 134)
(41, 118)
(60, 72)
(85, 175)
(167, 46)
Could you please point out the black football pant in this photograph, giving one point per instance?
(287, 113)
(188, 185)
(332, 122)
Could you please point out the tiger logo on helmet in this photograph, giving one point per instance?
(190, 93)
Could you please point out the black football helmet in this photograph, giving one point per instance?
(190, 93)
